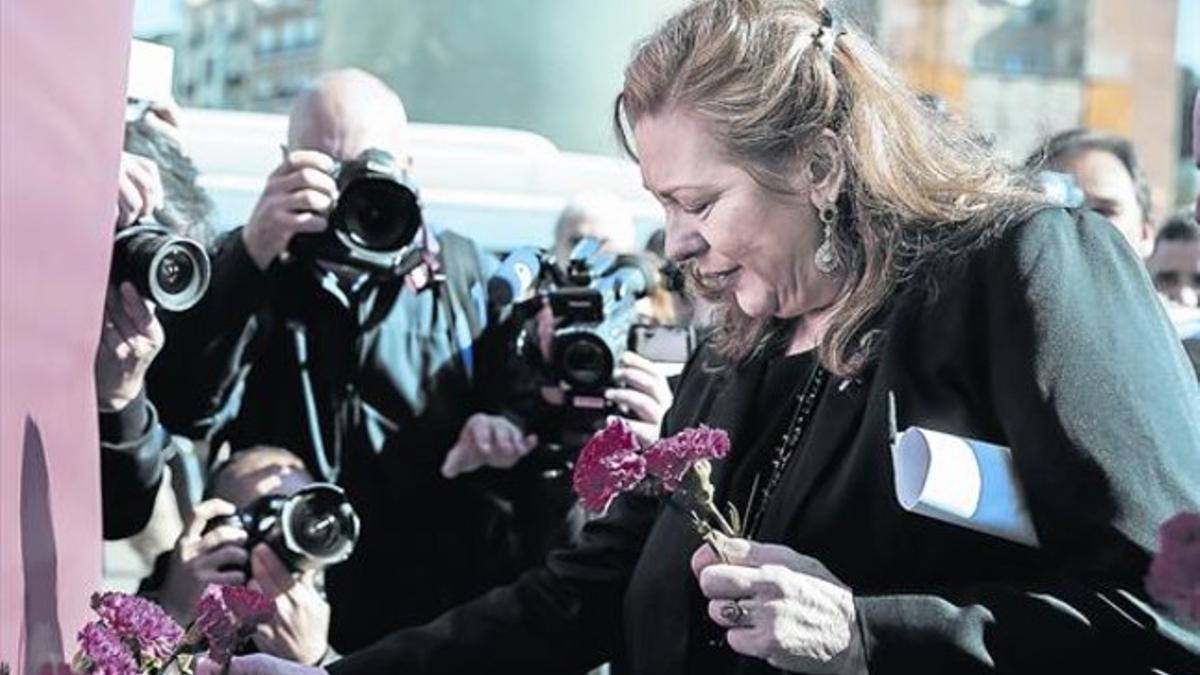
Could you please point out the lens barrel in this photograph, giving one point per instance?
(172, 271)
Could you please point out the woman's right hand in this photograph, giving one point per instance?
(257, 664)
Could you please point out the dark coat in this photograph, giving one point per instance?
(133, 447)
(1048, 340)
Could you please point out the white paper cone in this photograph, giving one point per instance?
(961, 481)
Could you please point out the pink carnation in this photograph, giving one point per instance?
(1174, 578)
(227, 614)
(671, 458)
(139, 622)
(608, 465)
(103, 651)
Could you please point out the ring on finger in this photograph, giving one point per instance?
(735, 613)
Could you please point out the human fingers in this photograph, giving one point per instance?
(204, 512)
(222, 535)
(639, 405)
(315, 159)
(270, 572)
(306, 178)
(140, 311)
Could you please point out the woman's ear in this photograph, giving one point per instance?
(826, 168)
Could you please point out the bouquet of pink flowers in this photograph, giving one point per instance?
(1174, 578)
(134, 635)
(613, 462)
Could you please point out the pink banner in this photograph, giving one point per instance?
(62, 90)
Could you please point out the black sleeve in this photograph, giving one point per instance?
(205, 346)
(1099, 407)
(565, 617)
(132, 444)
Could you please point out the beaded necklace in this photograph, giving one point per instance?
(806, 403)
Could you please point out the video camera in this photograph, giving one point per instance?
(171, 270)
(311, 529)
(593, 301)
(375, 221)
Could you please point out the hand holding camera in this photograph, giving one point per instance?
(297, 199)
(642, 394)
(203, 556)
(130, 338)
(139, 189)
(299, 629)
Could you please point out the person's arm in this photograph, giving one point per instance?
(132, 441)
(561, 618)
(207, 344)
(1094, 397)
(132, 445)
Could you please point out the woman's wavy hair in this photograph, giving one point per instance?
(767, 77)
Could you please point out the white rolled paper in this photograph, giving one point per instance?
(961, 481)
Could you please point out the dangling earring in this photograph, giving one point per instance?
(826, 258)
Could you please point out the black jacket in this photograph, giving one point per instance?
(132, 456)
(394, 375)
(1049, 341)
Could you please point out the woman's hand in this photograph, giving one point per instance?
(256, 664)
(782, 607)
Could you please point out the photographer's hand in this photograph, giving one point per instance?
(644, 396)
(299, 631)
(199, 558)
(139, 189)
(130, 338)
(297, 198)
(487, 440)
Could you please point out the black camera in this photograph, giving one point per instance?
(593, 300)
(311, 529)
(375, 221)
(173, 271)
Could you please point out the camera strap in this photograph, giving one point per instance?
(329, 469)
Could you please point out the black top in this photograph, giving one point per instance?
(1050, 341)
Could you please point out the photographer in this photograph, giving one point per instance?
(211, 551)
(368, 372)
(157, 181)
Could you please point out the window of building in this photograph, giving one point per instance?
(312, 31)
(265, 41)
(291, 34)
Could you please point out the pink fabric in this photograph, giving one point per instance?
(62, 84)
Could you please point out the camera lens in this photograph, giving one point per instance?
(380, 214)
(585, 361)
(170, 270)
(320, 527)
(175, 271)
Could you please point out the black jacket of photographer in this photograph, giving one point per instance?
(394, 374)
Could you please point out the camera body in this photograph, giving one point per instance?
(311, 529)
(171, 270)
(374, 224)
(593, 301)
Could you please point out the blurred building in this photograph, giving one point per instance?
(247, 54)
(549, 66)
(1020, 70)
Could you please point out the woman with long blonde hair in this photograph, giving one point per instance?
(860, 250)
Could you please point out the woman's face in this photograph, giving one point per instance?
(757, 244)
